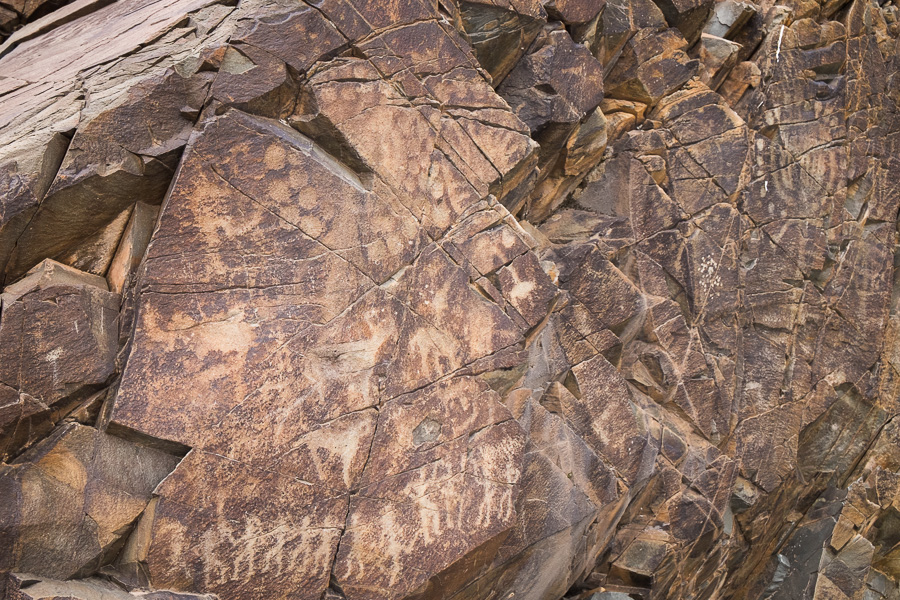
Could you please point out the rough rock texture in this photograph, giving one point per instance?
(456, 299)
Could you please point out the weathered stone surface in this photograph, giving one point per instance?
(131, 246)
(583, 150)
(689, 16)
(574, 12)
(348, 325)
(460, 300)
(652, 64)
(554, 89)
(728, 17)
(557, 84)
(16, 13)
(95, 253)
(743, 76)
(69, 501)
(717, 57)
(108, 167)
(58, 343)
(499, 32)
(26, 587)
(618, 23)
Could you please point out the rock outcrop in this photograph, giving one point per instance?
(465, 299)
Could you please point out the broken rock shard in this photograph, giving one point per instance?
(457, 300)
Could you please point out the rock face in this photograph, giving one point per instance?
(469, 300)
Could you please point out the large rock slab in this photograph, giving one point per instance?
(351, 338)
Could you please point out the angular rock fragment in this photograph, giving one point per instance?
(500, 32)
(132, 246)
(553, 88)
(618, 23)
(717, 57)
(95, 254)
(478, 145)
(651, 66)
(728, 17)
(107, 168)
(574, 12)
(70, 501)
(58, 341)
(689, 16)
(254, 80)
(743, 76)
(584, 149)
(92, 588)
(27, 173)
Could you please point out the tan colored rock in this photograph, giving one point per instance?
(478, 146)
(91, 588)
(132, 245)
(614, 105)
(743, 76)
(362, 327)
(717, 57)
(68, 502)
(618, 23)
(95, 254)
(425, 457)
(573, 12)
(50, 273)
(728, 17)
(553, 88)
(584, 149)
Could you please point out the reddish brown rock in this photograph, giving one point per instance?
(499, 32)
(59, 338)
(553, 87)
(475, 148)
(25, 587)
(430, 454)
(69, 501)
(131, 246)
(400, 348)
(728, 17)
(120, 167)
(428, 315)
(618, 23)
(583, 150)
(574, 12)
(717, 57)
(743, 76)
(689, 16)
(652, 65)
